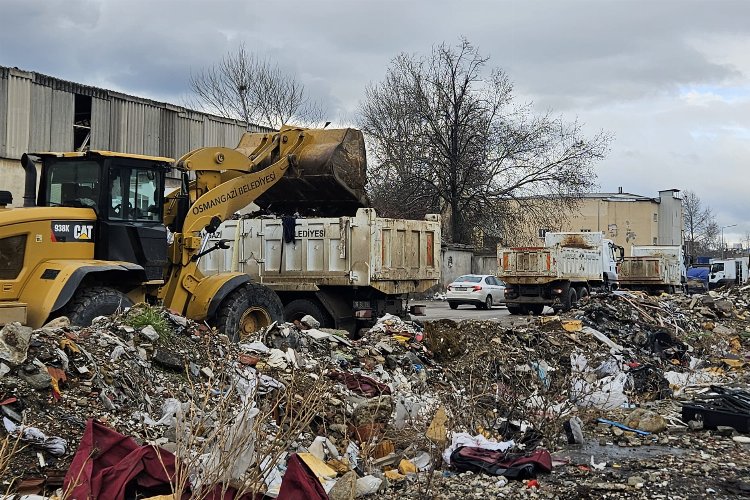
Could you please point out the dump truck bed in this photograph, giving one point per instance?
(652, 266)
(542, 264)
(392, 255)
(648, 271)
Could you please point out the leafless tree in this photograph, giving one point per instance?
(701, 228)
(254, 89)
(446, 137)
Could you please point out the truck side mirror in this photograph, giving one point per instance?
(212, 226)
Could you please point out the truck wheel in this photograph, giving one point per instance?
(536, 309)
(299, 308)
(453, 305)
(247, 310)
(570, 299)
(583, 292)
(88, 303)
(515, 310)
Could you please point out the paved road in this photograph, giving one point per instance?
(438, 309)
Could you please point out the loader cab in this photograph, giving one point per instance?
(127, 194)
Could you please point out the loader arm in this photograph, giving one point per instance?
(226, 180)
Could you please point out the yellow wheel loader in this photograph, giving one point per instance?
(100, 235)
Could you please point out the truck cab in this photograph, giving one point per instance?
(126, 194)
(727, 272)
(612, 255)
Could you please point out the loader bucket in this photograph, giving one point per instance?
(329, 180)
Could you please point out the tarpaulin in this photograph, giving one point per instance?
(109, 465)
(300, 483)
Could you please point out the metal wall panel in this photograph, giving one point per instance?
(190, 132)
(136, 112)
(215, 132)
(41, 118)
(61, 130)
(234, 133)
(100, 124)
(168, 135)
(151, 130)
(3, 111)
(118, 120)
(19, 113)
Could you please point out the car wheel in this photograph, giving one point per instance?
(488, 302)
(453, 305)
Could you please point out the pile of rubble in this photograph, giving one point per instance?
(582, 404)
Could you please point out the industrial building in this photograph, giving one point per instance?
(42, 113)
(628, 219)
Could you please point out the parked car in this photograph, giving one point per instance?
(481, 290)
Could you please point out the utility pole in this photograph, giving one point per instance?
(723, 245)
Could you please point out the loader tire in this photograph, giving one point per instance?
(297, 309)
(248, 309)
(88, 303)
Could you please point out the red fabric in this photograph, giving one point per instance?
(300, 483)
(108, 463)
(360, 384)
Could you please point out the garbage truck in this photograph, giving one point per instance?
(344, 271)
(564, 270)
(100, 235)
(653, 269)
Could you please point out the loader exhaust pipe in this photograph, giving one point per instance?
(29, 194)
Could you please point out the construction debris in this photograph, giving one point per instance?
(585, 404)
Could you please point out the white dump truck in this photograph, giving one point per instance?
(653, 269)
(344, 271)
(565, 269)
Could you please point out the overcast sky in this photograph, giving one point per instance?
(669, 79)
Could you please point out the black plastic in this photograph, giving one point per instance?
(724, 407)
(6, 197)
(712, 417)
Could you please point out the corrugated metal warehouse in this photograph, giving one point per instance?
(42, 113)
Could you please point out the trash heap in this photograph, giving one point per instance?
(407, 409)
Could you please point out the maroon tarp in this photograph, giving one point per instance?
(300, 483)
(107, 464)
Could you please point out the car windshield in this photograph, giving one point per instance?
(469, 279)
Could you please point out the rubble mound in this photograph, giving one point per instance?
(447, 407)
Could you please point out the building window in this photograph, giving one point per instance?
(655, 242)
(542, 232)
(585, 230)
(656, 217)
(82, 122)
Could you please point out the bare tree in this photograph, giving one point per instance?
(701, 228)
(248, 87)
(446, 138)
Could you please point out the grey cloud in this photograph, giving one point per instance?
(616, 65)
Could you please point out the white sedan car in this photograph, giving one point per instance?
(481, 290)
